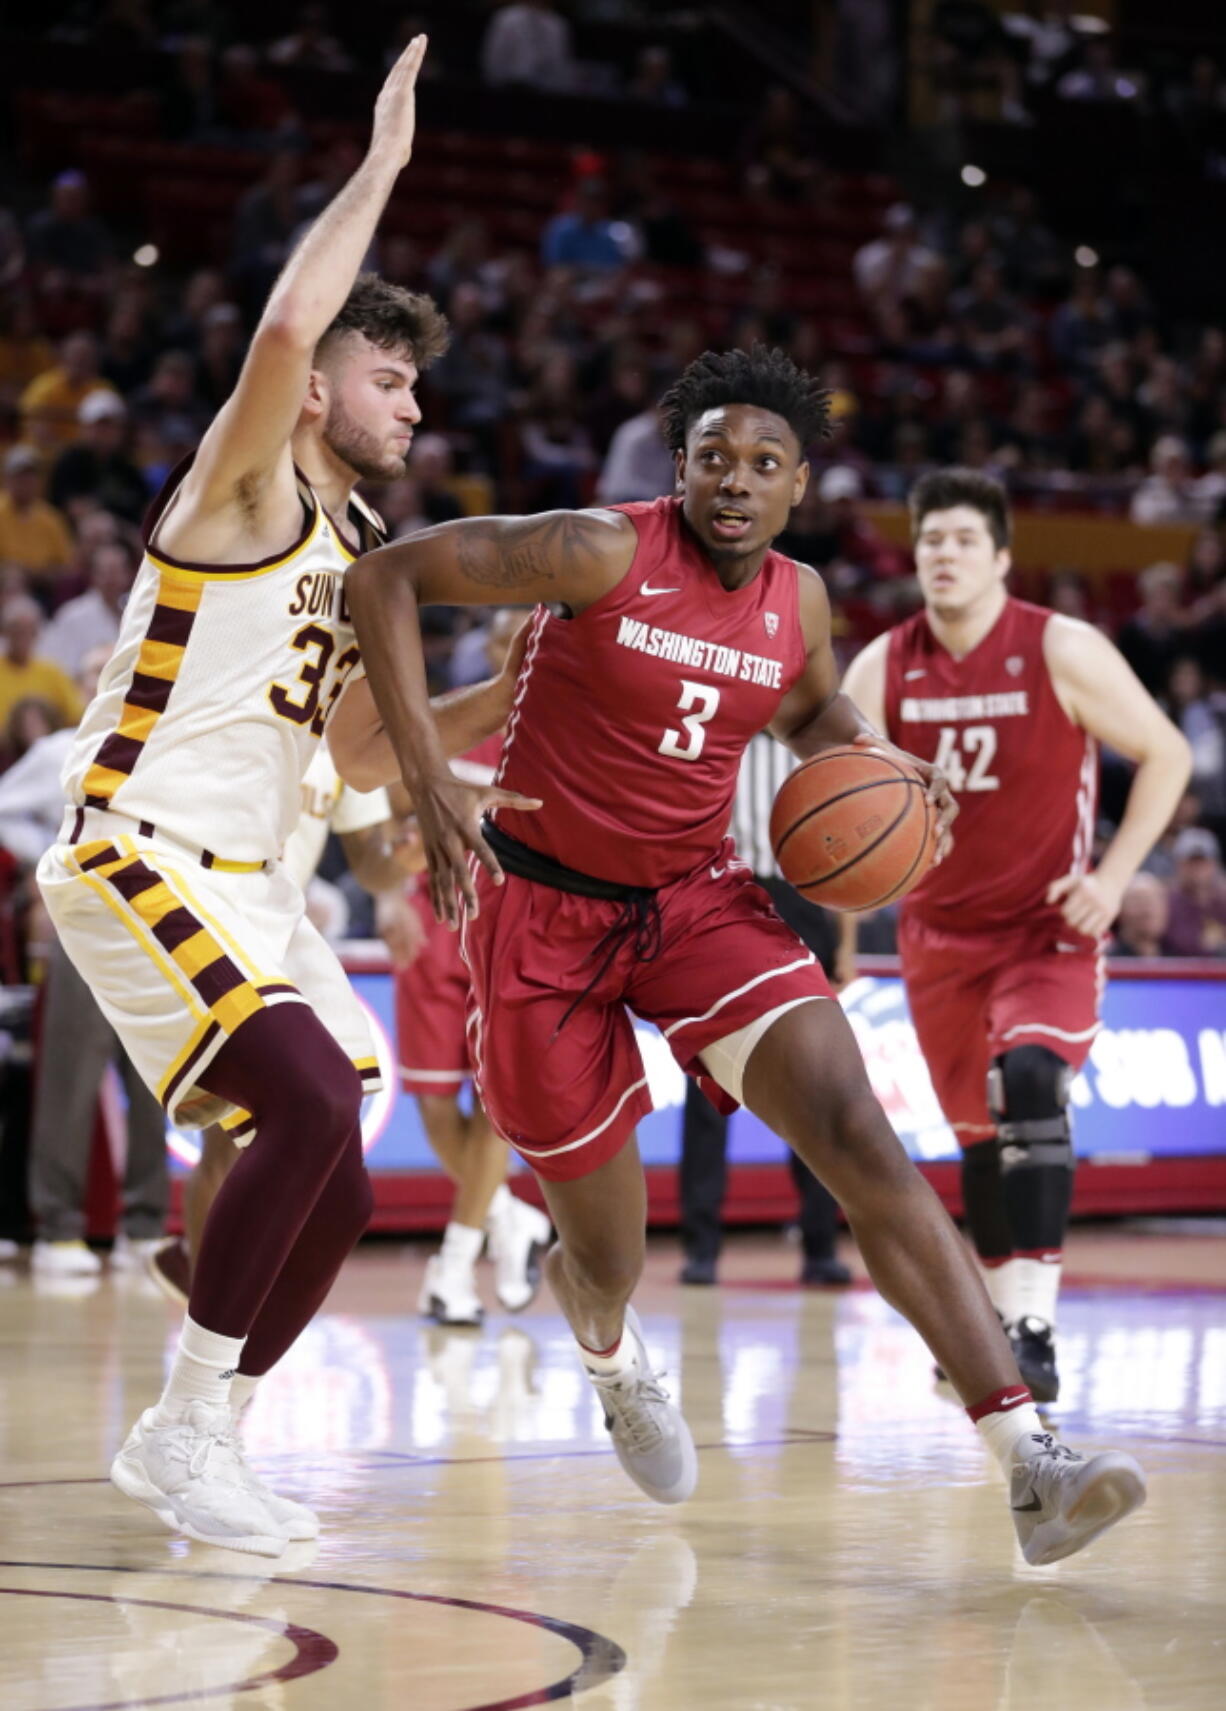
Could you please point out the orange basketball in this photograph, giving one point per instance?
(852, 829)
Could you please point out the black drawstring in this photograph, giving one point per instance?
(640, 915)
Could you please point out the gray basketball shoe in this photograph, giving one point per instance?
(1061, 1502)
(652, 1440)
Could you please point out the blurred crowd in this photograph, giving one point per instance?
(979, 337)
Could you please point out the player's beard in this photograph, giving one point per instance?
(364, 452)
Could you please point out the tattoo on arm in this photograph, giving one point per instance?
(514, 554)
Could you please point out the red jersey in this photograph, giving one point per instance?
(630, 719)
(1025, 776)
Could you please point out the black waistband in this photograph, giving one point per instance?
(527, 863)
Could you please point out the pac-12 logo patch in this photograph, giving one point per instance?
(1015, 665)
(771, 620)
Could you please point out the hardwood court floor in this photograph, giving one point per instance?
(849, 1548)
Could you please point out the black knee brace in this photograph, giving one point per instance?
(1028, 1096)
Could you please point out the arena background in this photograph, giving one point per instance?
(998, 232)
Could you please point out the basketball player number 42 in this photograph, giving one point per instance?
(966, 756)
(686, 744)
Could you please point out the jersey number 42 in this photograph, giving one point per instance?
(965, 757)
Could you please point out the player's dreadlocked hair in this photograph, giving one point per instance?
(392, 318)
(761, 376)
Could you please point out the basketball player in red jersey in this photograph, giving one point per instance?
(667, 635)
(1001, 944)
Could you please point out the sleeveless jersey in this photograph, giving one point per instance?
(1025, 776)
(630, 719)
(220, 688)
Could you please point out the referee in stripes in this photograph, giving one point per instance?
(704, 1132)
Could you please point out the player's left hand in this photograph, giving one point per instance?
(940, 796)
(1088, 902)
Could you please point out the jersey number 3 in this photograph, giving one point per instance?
(317, 645)
(977, 743)
(686, 744)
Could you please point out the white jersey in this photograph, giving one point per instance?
(329, 804)
(219, 689)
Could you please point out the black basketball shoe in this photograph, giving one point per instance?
(1034, 1349)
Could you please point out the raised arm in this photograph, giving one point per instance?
(1099, 691)
(569, 558)
(244, 459)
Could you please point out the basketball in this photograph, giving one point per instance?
(852, 829)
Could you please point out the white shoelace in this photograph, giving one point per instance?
(629, 1403)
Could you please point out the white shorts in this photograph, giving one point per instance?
(179, 955)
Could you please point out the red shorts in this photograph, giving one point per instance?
(431, 1001)
(975, 995)
(567, 1097)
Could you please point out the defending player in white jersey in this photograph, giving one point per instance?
(166, 886)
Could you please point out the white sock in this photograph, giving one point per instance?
(461, 1245)
(203, 1371)
(1036, 1289)
(499, 1206)
(1009, 1424)
(1000, 1282)
(242, 1389)
(614, 1361)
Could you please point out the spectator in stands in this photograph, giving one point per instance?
(779, 151)
(471, 375)
(1144, 913)
(638, 464)
(892, 267)
(433, 469)
(24, 351)
(1198, 896)
(1151, 639)
(585, 238)
(1099, 77)
(991, 324)
(254, 109)
(223, 345)
(191, 111)
(1082, 327)
(312, 46)
(91, 621)
(67, 245)
(558, 461)
(1200, 713)
(527, 43)
(1210, 488)
(169, 406)
(34, 536)
(98, 468)
(23, 670)
(128, 345)
(1168, 494)
(653, 81)
(51, 402)
(265, 222)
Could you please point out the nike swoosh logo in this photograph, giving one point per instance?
(1027, 1508)
(646, 588)
(910, 676)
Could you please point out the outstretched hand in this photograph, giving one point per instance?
(938, 793)
(449, 818)
(395, 119)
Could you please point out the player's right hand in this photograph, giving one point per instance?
(396, 109)
(449, 816)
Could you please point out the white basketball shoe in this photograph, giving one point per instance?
(517, 1242)
(449, 1293)
(193, 1477)
(1061, 1501)
(652, 1440)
